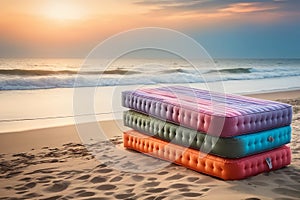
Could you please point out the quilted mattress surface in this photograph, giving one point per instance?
(204, 110)
(234, 147)
(227, 169)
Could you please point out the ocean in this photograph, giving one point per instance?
(37, 93)
(30, 74)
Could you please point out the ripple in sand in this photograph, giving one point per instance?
(204, 180)
(26, 179)
(70, 172)
(191, 194)
(8, 188)
(97, 198)
(174, 177)
(179, 185)
(151, 184)
(155, 198)
(53, 197)
(31, 195)
(12, 174)
(287, 192)
(21, 188)
(21, 192)
(150, 198)
(205, 189)
(58, 186)
(295, 178)
(45, 179)
(109, 193)
(124, 196)
(163, 173)
(156, 190)
(252, 198)
(192, 179)
(294, 186)
(279, 181)
(104, 171)
(106, 187)
(86, 194)
(184, 190)
(259, 183)
(42, 171)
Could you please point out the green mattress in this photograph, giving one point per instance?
(229, 147)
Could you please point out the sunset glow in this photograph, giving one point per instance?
(62, 10)
(68, 26)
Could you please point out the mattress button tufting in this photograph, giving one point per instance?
(270, 139)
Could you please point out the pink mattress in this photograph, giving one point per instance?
(193, 108)
(227, 169)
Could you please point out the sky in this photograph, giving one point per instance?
(225, 28)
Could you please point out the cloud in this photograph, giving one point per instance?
(209, 6)
(248, 7)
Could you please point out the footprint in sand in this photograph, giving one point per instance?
(124, 196)
(116, 179)
(84, 177)
(25, 188)
(191, 194)
(58, 186)
(85, 194)
(106, 187)
(98, 179)
(174, 177)
(179, 185)
(151, 184)
(137, 178)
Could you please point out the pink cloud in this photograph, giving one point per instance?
(248, 7)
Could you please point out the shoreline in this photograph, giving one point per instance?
(58, 135)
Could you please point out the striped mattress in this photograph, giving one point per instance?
(216, 114)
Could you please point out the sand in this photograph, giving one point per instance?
(52, 163)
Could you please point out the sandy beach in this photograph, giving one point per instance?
(51, 163)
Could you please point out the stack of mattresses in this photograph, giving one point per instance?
(227, 136)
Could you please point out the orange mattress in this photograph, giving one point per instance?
(227, 169)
